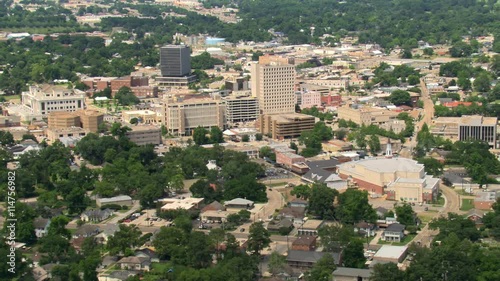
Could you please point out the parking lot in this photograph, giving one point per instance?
(145, 218)
(278, 173)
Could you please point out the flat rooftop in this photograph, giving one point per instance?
(477, 120)
(386, 165)
(390, 252)
(144, 128)
(312, 224)
(291, 117)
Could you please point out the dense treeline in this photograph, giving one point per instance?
(435, 21)
(63, 57)
(456, 257)
(51, 17)
(190, 23)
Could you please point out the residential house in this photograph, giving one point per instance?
(19, 150)
(147, 253)
(307, 259)
(394, 233)
(117, 275)
(44, 272)
(135, 263)
(107, 261)
(40, 274)
(41, 227)
(295, 214)
(310, 227)
(484, 200)
(86, 230)
(351, 274)
(96, 215)
(108, 230)
(381, 211)
(304, 243)
(476, 216)
(299, 203)
(36, 258)
(239, 203)
(365, 229)
(278, 226)
(439, 154)
(214, 206)
(77, 243)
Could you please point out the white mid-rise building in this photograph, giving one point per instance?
(273, 83)
(40, 100)
(241, 108)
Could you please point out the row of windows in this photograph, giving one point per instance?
(407, 199)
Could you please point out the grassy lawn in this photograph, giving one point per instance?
(439, 202)
(467, 204)
(407, 239)
(425, 218)
(13, 97)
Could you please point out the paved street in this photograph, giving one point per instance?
(452, 205)
(427, 115)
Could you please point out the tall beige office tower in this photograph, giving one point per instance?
(273, 83)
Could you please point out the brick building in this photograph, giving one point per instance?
(287, 159)
(139, 86)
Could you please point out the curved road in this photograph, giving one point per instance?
(451, 205)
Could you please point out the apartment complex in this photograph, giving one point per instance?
(285, 125)
(400, 178)
(41, 100)
(182, 117)
(144, 134)
(467, 127)
(273, 84)
(366, 115)
(241, 108)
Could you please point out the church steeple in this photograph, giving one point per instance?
(388, 150)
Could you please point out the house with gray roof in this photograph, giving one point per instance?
(324, 171)
(118, 275)
(96, 215)
(239, 203)
(122, 200)
(307, 259)
(394, 233)
(86, 230)
(351, 274)
(41, 227)
(141, 263)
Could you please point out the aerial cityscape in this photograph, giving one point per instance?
(241, 140)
